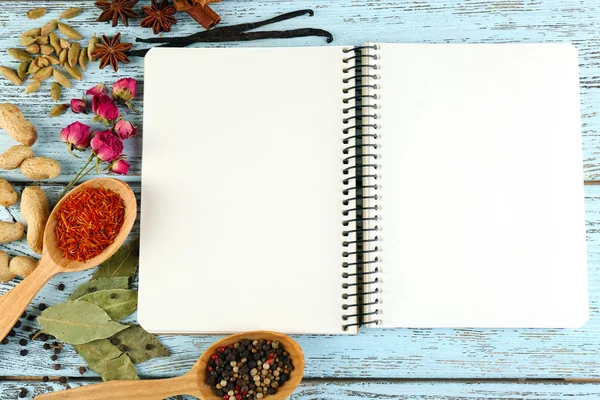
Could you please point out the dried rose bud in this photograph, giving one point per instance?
(105, 108)
(124, 89)
(78, 105)
(76, 135)
(120, 166)
(106, 145)
(125, 130)
(96, 90)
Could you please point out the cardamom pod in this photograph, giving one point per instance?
(42, 39)
(69, 32)
(64, 43)
(27, 40)
(46, 49)
(55, 42)
(62, 58)
(11, 75)
(19, 55)
(33, 87)
(33, 68)
(49, 27)
(42, 62)
(53, 60)
(61, 78)
(22, 70)
(32, 32)
(59, 109)
(33, 49)
(74, 54)
(74, 72)
(83, 58)
(36, 13)
(92, 47)
(43, 73)
(71, 13)
(55, 91)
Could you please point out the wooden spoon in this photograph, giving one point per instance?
(53, 262)
(192, 383)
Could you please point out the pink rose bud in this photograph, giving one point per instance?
(120, 167)
(77, 135)
(105, 107)
(125, 130)
(96, 90)
(124, 89)
(78, 105)
(106, 145)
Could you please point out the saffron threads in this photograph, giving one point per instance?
(88, 222)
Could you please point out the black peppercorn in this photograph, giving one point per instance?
(31, 318)
(26, 328)
(46, 346)
(57, 351)
(54, 357)
(4, 341)
(82, 370)
(62, 379)
(56, 367)
(42, 307)
(12, 333)
(149, 346)
(18, 324)
(23, 315)
(23, 393)
(23, 352)
(43, 337)
(61, 286)
(45, 379)
(23, 342)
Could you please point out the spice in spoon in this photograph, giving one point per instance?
(88, 222)
(248, 370)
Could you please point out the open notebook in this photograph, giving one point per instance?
(313, 190)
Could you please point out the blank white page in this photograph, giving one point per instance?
(481, 209)
(241, 222)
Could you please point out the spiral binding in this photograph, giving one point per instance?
(360, 187)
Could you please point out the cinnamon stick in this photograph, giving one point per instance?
(205, 16)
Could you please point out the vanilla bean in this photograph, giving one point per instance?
(241, 37)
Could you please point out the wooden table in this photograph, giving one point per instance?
(390, 363)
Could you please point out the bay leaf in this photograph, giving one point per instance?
(93, 285)
(78, 322)
(118, 303)
(123, 263)
(107, 360)
(139, 344)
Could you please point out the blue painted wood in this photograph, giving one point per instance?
(352, 23)
(324, 390)
(379, 354)
(374, 353)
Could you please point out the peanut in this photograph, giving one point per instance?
(5, 274)
(38, 168)
(9, 231)
(15, 124)
(8, 196)
(22, 266)
(35, 211)
(14, 156)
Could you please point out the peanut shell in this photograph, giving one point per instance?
(16, 125)
(22, 265)
(8, 196)
(38, 168)
(35, 211)
(5, 274)
(14, 156)
(9, 231)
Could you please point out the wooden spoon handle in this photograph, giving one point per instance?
(18, 298)
(157, 389)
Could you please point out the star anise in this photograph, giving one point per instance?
(111, 51)
(115, 9)
(159, 16)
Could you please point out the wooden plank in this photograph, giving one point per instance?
(374, 353)
(328, 390)
(352, 23)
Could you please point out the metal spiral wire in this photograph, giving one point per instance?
(360, 170)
